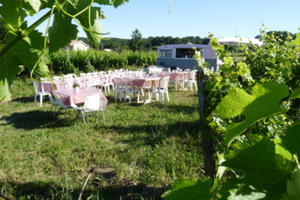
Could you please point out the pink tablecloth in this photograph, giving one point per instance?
(148, 82)
(174, 76)
(70, 96)
(51, 86)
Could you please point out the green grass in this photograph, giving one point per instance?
(140, 152)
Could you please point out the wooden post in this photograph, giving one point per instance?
(206, 134)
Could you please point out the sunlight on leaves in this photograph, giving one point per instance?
(263, 101)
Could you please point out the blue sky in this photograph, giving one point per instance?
(223, 18)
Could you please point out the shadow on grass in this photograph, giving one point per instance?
(157, 133)
(184, 109)
(36, 119)
(40, 190)
(24, 99)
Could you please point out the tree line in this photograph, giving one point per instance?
(138, 43)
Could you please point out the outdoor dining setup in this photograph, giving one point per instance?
(85, 93)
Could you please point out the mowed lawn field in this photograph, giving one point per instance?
(140, 152)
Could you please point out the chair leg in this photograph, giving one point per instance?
(162, 97)
(41, 100)
(35, 97)
(83, 118)
(103, 117)
(167, 93)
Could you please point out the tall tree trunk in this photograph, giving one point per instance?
(206, 134)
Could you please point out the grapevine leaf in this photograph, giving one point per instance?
(258, 164)
(9, 69)
(117, 3)
(295, 94)
(35, 4)
(293, 187)
(189, 190)
(10, 12)
(263, 102)
(233, 189)
(94, 36)
(62, 32)
(297, 40)
(291, 139)
(28, 54)
(103, 2)
(229, 107)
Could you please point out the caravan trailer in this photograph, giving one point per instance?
(182, 55)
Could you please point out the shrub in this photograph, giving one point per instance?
(94, 60)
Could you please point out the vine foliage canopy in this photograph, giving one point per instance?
(22, 46)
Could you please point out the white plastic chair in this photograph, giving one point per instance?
(192, 80)
(120, 86)
(129, 91)
(108, 83)
(92, 103)
(57, 78)
(162, 89)
(39, 92)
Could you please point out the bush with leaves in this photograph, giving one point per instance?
(251, 164)
(85, 61)
(23, 45)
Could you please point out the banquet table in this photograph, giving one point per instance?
(70, 97)
(147, 82)
(50, 86)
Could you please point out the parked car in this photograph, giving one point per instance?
(182, 56)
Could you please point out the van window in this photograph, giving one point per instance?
(165, 53)
(186, 53)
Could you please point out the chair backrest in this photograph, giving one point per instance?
(127, 83)
(92, 102)
(192, 75)
(164, 82)
(59, 78)
(52, 100)
(60, 102)
(82, 75)
(36, 87)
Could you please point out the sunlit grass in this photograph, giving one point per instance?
(141, 150)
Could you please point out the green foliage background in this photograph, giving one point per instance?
(95, 60)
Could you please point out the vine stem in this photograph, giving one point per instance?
(8, 46)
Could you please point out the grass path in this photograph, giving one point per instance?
(140, 152)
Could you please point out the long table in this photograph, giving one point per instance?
(70, 97)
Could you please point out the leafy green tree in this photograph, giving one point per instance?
(136, 43)
(24, 46)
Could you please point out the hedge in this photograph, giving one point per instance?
(95, 60)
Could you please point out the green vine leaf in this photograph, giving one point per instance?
(62, 32)
(189, 190)
(263, 101)
(293, 187)
(258, 166)
(35, 4)
(94, 36)
(291, 139)
(295, 94)
(11, 13)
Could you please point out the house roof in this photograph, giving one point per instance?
(74, 42)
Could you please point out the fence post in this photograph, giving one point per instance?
(207, 139)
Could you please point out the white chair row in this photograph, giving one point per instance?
(124, 87)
